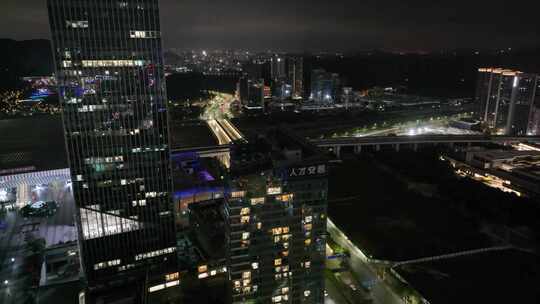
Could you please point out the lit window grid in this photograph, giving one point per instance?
(85, 46)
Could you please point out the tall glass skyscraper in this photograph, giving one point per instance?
(109, 67)
(506, 100)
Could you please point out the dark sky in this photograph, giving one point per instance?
(297, 25)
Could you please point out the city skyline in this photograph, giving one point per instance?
(305, 152)
(300, 26)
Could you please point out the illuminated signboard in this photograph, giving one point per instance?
(307, 171)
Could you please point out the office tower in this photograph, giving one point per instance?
(295, 67)
(325, 87)
(505, 100)
(276, 219)
(347, 96)
(534, 119)
(278, 68)
(111, 83)
(282, 90)
(250, 92)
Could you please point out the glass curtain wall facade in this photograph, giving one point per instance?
(109, 65)
(505, 100)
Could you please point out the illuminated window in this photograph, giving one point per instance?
(307, 242)
(112, 63)
(284, 290)
(238, 194)
(307, 293)
(307, 264)
(246, 275)
(244, 211)
(77, 24)
(259, 225)
(237, 284)
(144, 34)
(202, 268)
(156, 288)
(308, 226)
(255, 265)
(276, 299)
(246, 282)
(106, 264)
(256, 201)
(139, 203)
(172, 276)
(245, 235)
(273, 190)
(285, 198)
(244, 219)
(172, 283)
(277, 262)
(308, 219)
(277, 230)
(203, 275)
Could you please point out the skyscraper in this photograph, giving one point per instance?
(325, 87)
(109, 67)
(505, 100)
(296, 76)
(278, 68)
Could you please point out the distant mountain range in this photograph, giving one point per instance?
(24, 58)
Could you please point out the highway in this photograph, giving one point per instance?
(222, 136)
(231, 130)
(380, 292)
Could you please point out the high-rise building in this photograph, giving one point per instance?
(347, 96)
(278, 68)
(111, 83)
(288, 71)
(276, 219)
(534, 119)
(295, 66)
(506, 100)
(325, 87)
(250, 92)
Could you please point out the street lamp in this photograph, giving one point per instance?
(6, 282)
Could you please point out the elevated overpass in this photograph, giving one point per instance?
(397, 142)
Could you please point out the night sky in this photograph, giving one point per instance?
(316, 25)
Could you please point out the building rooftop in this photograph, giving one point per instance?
(191, 134)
